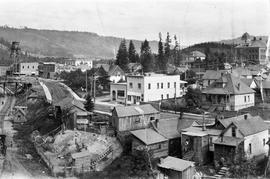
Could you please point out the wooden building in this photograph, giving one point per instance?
(175, 168)
(128, 118)
(150, 140)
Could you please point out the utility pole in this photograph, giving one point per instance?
(86, 86)
(94, 88)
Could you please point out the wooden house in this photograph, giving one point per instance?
(175, 168)
(150, 140)
(128, 118)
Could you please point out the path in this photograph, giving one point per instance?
(12, 167)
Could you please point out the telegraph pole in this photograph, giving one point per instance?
(94, 88)
(86, 86)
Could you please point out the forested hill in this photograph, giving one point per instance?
(66, 43)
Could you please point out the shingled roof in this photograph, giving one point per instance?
(148, 136)
(232, 85)
(247, 125)
(125, 111)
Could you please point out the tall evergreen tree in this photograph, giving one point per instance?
(122, 55)
(146, 57)
(89, 104)
(132, 54)
(161, 64)
(167, 48)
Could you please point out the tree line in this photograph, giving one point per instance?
(150, 62)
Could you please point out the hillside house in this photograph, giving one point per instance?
(148, 139)
(175, 168)
(228, 93)
(252, 51)
(211, 76)
(114, 72)
(134, 68)
(241, 136)
(153, 87)
(129, 118)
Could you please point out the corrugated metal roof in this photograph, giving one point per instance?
(175, 164)
(148, 136)
(124, 111)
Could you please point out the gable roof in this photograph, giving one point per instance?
(106, 67)
(168, 128)
(148, 136)
(175, 164)
(233, 85)
(21, 111)
(211, 75)
(250, 125)
(114, 69)
(125, 111)
(253, 43)
(247, 81)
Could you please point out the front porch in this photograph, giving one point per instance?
(212, 102)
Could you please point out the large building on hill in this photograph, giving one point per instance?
(252, 51)
(229, 93)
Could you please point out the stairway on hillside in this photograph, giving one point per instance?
(222, 172)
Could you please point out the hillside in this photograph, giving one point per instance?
(239, 41)
(66, 43)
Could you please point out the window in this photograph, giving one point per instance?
(248, 99)
(130, 85)
(137, 120)
(157, 85)
(250, 149)
(139, 85)
(129, 98)
(149, 85)
(27, 66)
(167, 96)
(33, 67)
(162, 96)
(22, 66)
(233, 131)
(168, 85)
(152, 118)
(161, 85)
(245, 98)
(263, 142)
(121, 93)
(209, 82)
(174, 84)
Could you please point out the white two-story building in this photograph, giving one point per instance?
(153, 87)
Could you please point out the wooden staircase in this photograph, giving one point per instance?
(222, 172)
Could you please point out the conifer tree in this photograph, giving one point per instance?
(132, 55)
(146, 57)
(160, 58)
(89, 104)
(122, 56)
(167, 48)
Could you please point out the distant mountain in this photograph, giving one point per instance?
(66, 43)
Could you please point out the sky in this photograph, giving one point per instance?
(192, 21)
